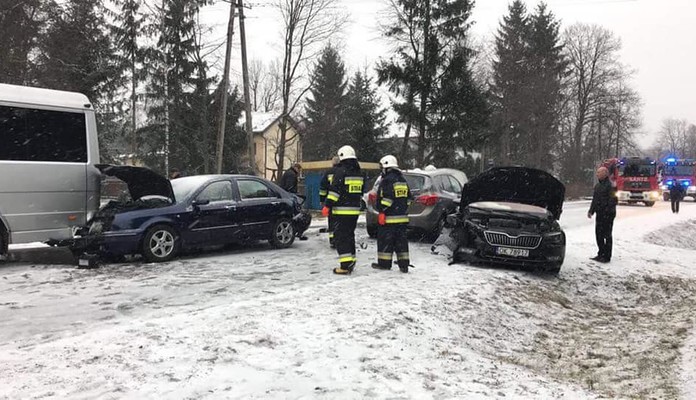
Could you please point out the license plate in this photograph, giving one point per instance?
(83, 262)
(506, 251)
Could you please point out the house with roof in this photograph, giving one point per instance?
(266, 128)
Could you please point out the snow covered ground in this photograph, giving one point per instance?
(257, 323)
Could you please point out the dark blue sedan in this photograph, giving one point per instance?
(163, 217)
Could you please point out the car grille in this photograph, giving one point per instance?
(636, 185)
(522, 241)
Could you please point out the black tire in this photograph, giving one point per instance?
(161, 243)
(371, 231)
(4, 240)
(553, 268)
(283, 234)
(649, 203)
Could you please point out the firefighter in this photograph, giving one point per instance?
(604, 205)
(343, 204)
(326, 181)
(676, 194)
(393, 198)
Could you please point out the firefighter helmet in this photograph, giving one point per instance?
(388, 162)
(346, 152)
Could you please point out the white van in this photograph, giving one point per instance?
(48, 149)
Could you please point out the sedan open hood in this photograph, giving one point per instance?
(141, 181)
(516, 185)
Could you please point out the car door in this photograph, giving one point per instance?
(215, 209)
(259, 207)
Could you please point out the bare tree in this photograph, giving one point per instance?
(674, 136)
(257, 76)
(592, 53)
(306, 25)
(270, 89)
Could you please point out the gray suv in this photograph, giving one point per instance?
(436, 193)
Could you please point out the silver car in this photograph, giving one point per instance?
(48, 182)
(436, 193)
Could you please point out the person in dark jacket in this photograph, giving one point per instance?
(343, 203)
(676, 194)
(290, 178)
(174, 174)
(604, 205)
(393, 198)
(324, 185)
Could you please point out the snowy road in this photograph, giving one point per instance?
(256, 323)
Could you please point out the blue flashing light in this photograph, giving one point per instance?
(671, 160)
(686, 183)
(670, 182)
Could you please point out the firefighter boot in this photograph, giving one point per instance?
(344, 270)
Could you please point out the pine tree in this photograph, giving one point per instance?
(75, 52)
(546, 67)
(21, 22)
(173, 74)
(364, 119)
(425, 32)
(127, 32)
(324, 130)
(460, 113)
(509, 90)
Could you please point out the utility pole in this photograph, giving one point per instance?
(225, 84)
(247, 101)
(166, 97)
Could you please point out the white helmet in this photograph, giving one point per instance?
(388, 162)
(346, 152)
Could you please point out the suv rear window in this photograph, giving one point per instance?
(415, 182)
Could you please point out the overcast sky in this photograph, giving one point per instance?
(658, 36)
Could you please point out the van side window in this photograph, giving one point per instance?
(41, 135)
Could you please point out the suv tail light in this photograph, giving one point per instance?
(427, 199)
(372, 198)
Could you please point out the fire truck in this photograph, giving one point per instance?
(678, 172)
(635, 179)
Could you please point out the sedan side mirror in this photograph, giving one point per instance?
(198, 203)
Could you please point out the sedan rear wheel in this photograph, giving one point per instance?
(283, 234)
(161, 243)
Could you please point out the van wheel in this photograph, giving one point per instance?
(161, 243)
(4, 240)
(283, 234)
